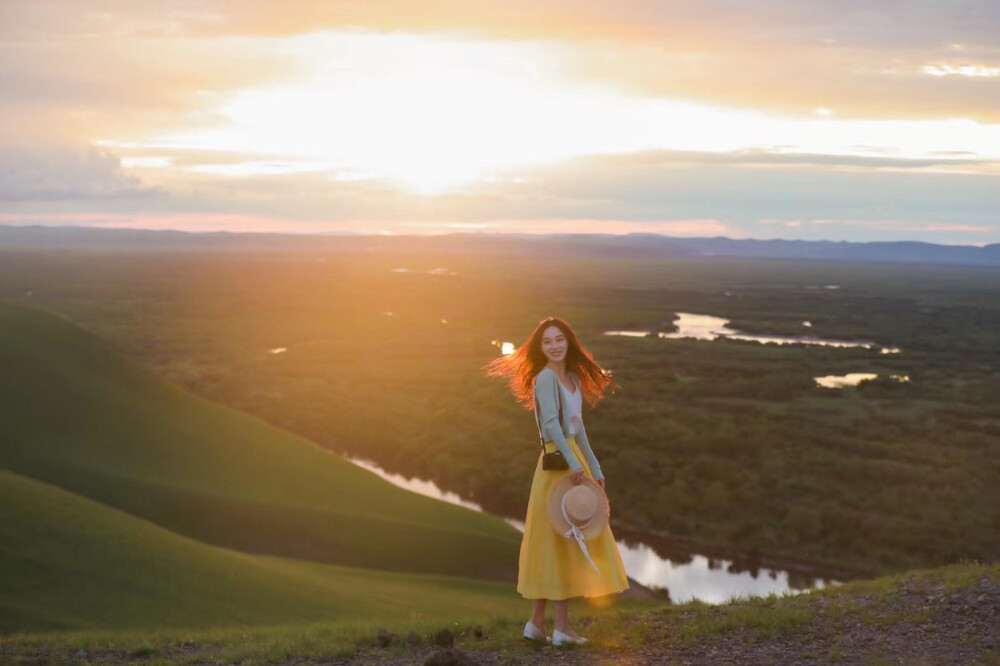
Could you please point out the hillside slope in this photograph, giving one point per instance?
(80, 415)
(67, 562)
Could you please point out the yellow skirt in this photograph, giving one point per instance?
(550, 565)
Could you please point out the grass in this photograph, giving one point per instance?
(68, 562)
(80, 415)
(627, 628)
(316, 641)
(761, 619)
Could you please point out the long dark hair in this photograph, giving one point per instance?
(521, 367)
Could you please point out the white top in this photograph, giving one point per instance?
(572, 408)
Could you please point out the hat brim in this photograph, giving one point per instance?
(594, 528)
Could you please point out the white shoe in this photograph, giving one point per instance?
(559, 638)
(533, 633)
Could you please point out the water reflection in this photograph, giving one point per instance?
(426, 488)
(277, 350)
(853, 379)
(842, 381)
(433, 271)
(699, 327)
(710, 580)
(419, 486)
(707, 327)
(631, 334)
(657, 562)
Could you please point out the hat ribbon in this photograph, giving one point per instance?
(574, 533)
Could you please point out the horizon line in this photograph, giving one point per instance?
(479, 233)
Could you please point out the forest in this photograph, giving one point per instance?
(378, 353)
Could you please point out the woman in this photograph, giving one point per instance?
(554, 371)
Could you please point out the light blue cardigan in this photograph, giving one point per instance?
(546, 385)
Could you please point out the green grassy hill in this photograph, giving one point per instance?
(68, 562)
(78, 414)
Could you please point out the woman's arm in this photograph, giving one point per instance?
(545, 393)
(595, 467)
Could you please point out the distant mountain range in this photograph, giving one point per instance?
(626, 246)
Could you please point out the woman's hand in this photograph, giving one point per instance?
(577, 477)
(600, 482)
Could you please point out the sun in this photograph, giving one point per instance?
(427, 113)
(433, 114)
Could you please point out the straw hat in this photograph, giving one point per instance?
(584, 506)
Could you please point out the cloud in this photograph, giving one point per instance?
(975, 71)
(74, 71)
(670, 192)
(871, 82)
(853, 23)
(899, 225)
(654, 188)
(957, 159)
(598, 195)
(856, 58)
(194, 222)
(690, 228)
(59, 174)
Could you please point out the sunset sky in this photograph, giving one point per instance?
(808, 119)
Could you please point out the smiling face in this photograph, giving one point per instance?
(554, 344)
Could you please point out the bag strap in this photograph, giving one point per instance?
(538, 409)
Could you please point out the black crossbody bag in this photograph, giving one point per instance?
(550, 460)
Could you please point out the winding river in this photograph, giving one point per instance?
(707, 327)
(662, 563)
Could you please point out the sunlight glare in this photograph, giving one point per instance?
(433, 114)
